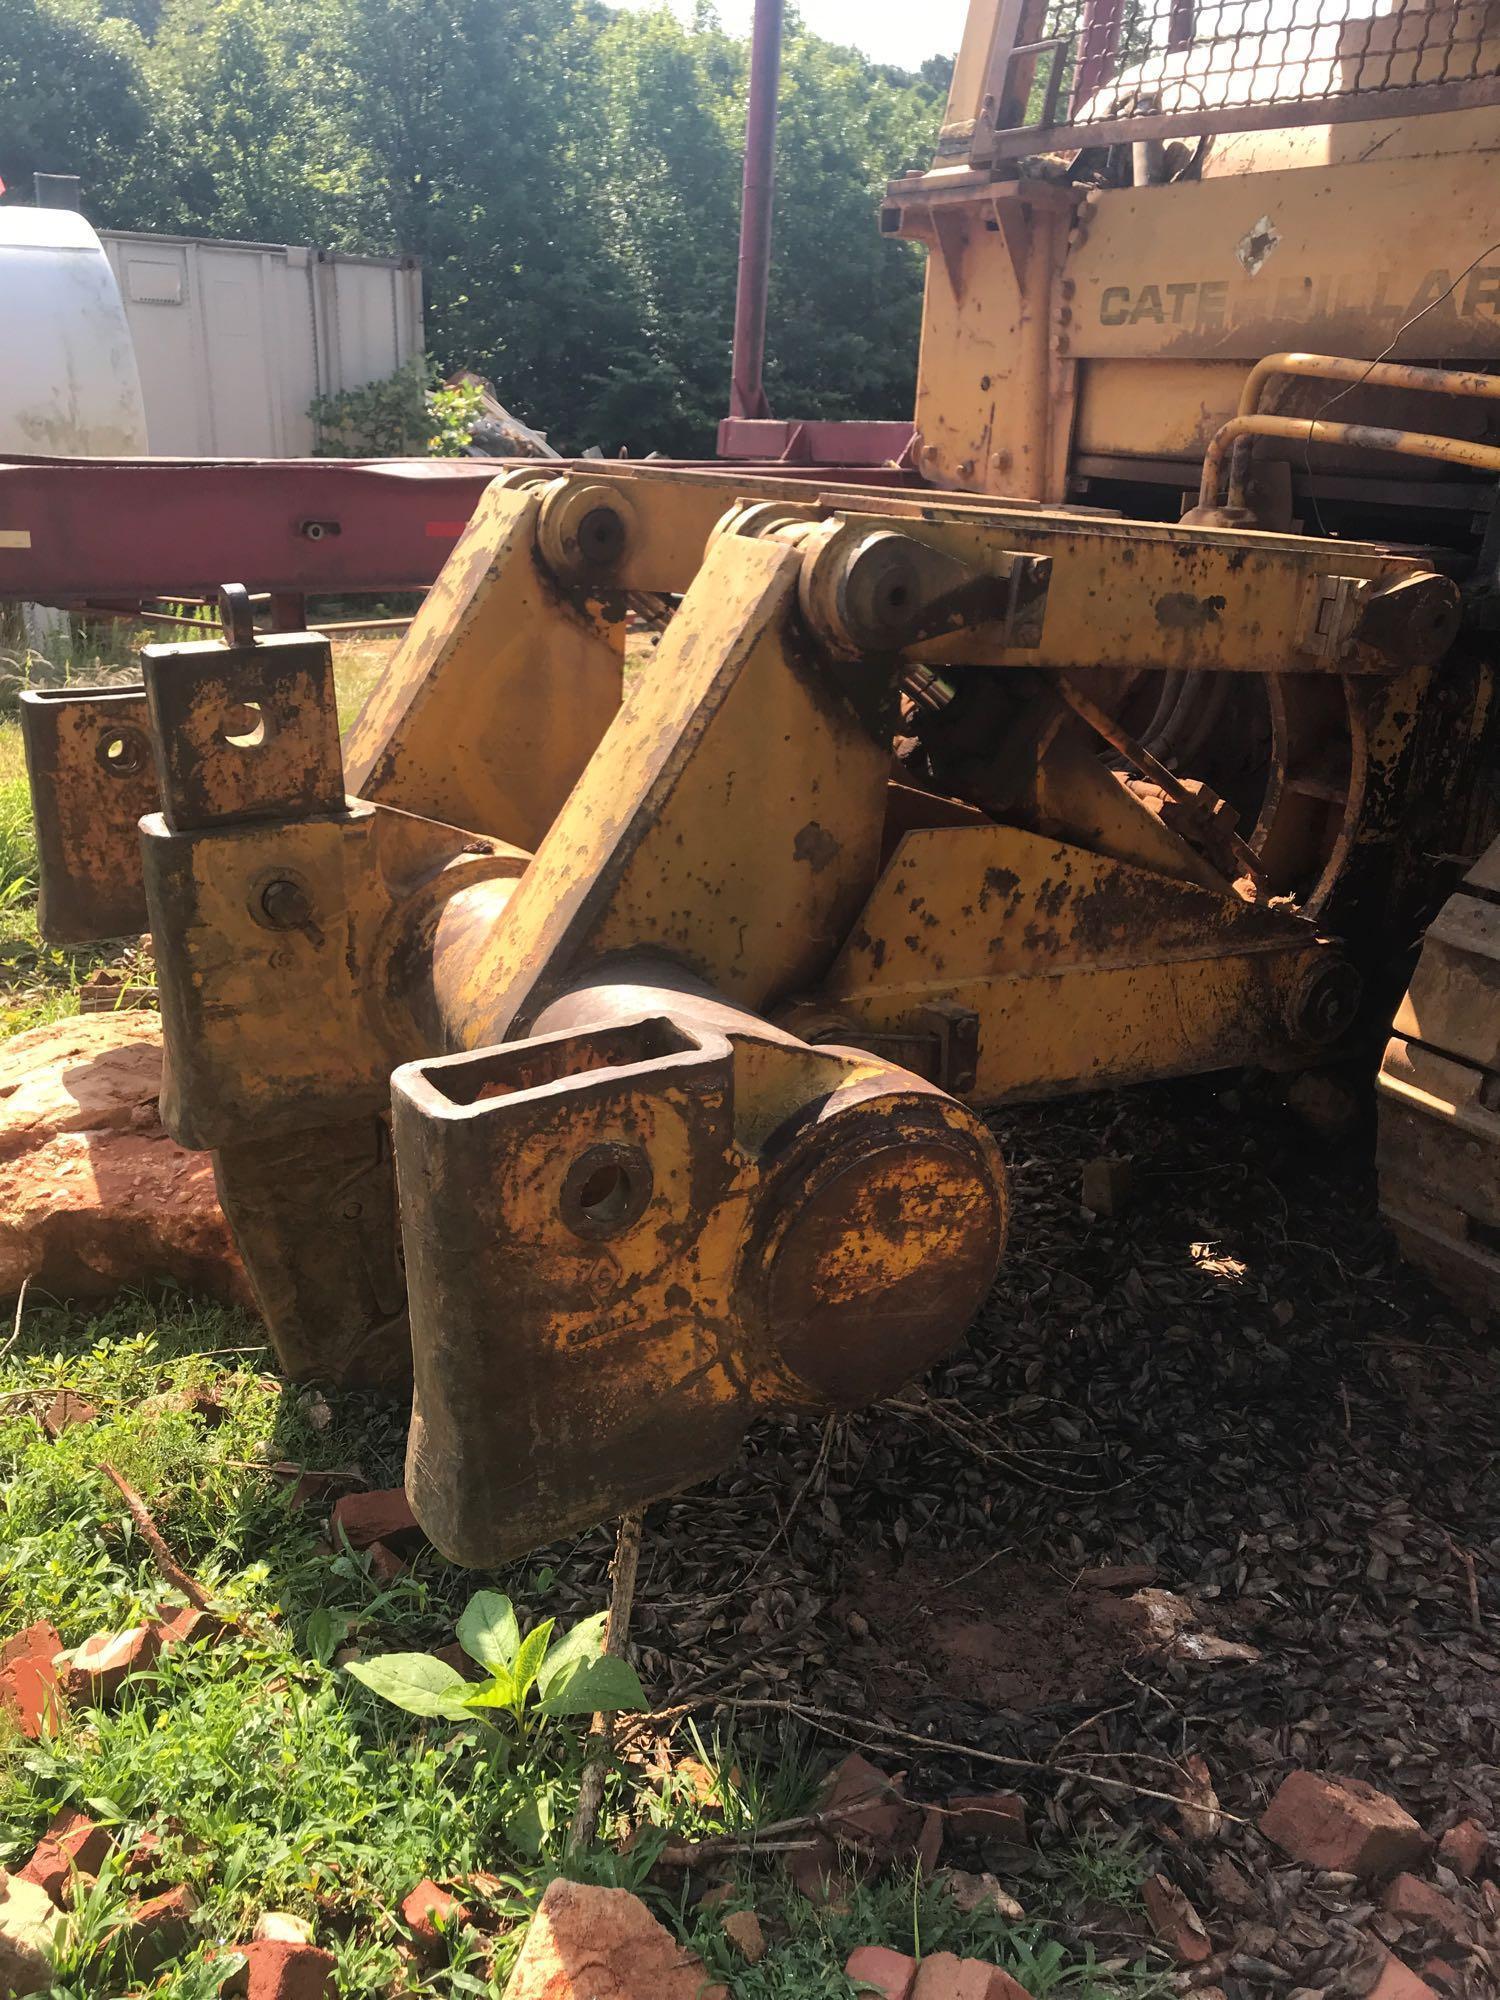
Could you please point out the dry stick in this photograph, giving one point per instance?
(834, 1724)
(15, 1332)
(166, 1562)
(601, 1734)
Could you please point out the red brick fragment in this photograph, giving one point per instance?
(179, 1628)
(944, 1977)
(29, 1692)
(1176, 1923)
(1419, 1902)
(1398, 1982)
(143, 1865)
(1445, 1976)
(987, 1816)
(603, 1944)
(1343, 1824)
(159, 1929)
(99, 1667)
(385, 1564)
(890, 1973)
(73, 1844)
(363, 1518)
(276, 1971)
(860, 1805)
(427, 1909)
(64, 1411)
(1463, 1848)
(929, 1842)
(1116, 1576)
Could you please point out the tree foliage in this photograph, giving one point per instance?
(568, 174)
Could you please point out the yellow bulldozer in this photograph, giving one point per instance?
(616, 1065)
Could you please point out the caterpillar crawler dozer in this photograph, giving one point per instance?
(618, 1064)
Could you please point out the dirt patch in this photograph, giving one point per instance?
(1011, 1635)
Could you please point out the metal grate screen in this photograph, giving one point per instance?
(1107, 70)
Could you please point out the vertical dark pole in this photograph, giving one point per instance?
(747, 395)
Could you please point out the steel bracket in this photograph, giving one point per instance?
(92, 773)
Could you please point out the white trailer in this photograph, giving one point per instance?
(234, 340)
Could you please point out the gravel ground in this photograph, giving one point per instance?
(1234, 1384)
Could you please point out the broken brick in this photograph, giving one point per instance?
(1448, 1979)
(929, 1841)
(73, 1844)
(1419, 1902)
(64, 1411)
(1463, 1848)
(587, 1943)
(944, 1977)
(429, 1911)
(1176, 1923)
(180, 1628)
(143, 1864)
(1397, 1981)
(276, 1971)
(987, 1816)
(742, 1928)
(158, 1929)
(1106, 1186)
(28, 1679)
(281, 1927)
(385, 1564)
(98, 1669)
(1342, 1824)
(29, 1924)
(363, 1518)
(891, 1974)
(858, 1803)
(1116, 1576)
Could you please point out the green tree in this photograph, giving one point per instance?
(77, 96)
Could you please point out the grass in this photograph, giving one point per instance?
(271, 1777)
(274, 1780)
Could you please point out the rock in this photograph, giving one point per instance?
(979, 1892)
(1106, 1186)
(1163, 1614)
(1343, 1824)
(430, 1912)
(362, 1519)
(1116, 1576)
(603, 1944)
(1176, 1923)
(890, 1973)
(99, 1668)
(742, 1928)
(29, 1692)
(1463, 1848)
(1419, 1902)
(1397, 1981)
(1199, 1812)
(73, 1844)
(158, 1929)
(987, 1816)
(944, 1977)
(64, 1412)
(276, 1971)
(94, 1196)
(29, 1921)
(281, 1927)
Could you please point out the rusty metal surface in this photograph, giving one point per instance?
(246, 731)
(1438, 1152)
(92, 775)
(687, 1216)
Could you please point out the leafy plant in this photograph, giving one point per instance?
(531, 1677)
(411, 413)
